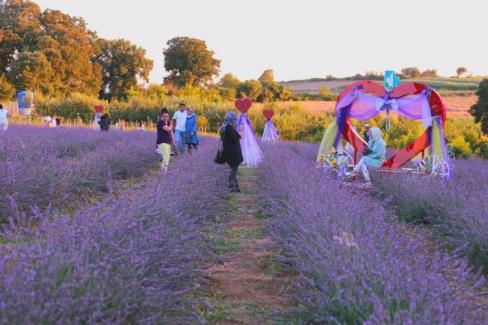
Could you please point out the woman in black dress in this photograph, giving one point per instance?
(231, 148)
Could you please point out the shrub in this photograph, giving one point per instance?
(460, 147)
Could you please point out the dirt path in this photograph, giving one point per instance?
(246, 287)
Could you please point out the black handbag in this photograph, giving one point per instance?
(367, 151)
(219, 157)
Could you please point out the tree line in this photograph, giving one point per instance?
(56, 56)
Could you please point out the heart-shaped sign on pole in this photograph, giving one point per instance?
(99, 108)
(268, 113)
(243, 104)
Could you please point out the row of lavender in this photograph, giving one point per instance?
(355, 263)
(41, 167)
(131, 259)
(457, 210)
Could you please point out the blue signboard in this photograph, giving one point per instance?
(391, 79)
(24, 100)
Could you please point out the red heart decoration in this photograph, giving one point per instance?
(243, 105)
(268, 113)
(401, 156)
(99, 108)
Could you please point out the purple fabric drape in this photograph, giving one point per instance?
(250, 149)
(270, 135)
(362, 106)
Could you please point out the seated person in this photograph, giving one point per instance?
(374, 154)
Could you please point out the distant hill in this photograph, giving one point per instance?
(312, 86)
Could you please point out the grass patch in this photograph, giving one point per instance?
(218, 313)
(233, 201)
(256, 309)
(249, 234)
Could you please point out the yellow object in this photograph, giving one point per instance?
(327, 141)
(437, 140)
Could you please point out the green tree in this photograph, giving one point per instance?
(157, 92)
(480, 109)
(286, 94)
(61, 39)
(32, 71)
(410, 72)
(460, 71)
(122, 65)
(7, 90)
(249, 88)
(227, 86)
(20, 29)
(189, 61)
(267, 77)
(71, 48)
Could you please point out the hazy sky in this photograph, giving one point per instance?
(301, 39)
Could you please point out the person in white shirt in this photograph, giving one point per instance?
(3, 118)
(179, 122)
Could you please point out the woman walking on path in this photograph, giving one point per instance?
(191, 137)
(374, 155)
(232, 153)
(164, 139)
(3, 118)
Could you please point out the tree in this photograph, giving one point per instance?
(460, 71)
(229, 81)
(49, 51)
(480, 109)
(122, 65)
(20, 28)
(429, 73)
(32, 71)
(410, 72)
(189, 61)
(267, 77)
(72, 49)
(61, 39)
(227, 86)
(287, 94)
(7, 90)
(271, 91)
(249, 88)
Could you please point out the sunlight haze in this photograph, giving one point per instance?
(300, 39)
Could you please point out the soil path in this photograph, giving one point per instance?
(246, 286)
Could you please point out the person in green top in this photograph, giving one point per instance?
(375, 154)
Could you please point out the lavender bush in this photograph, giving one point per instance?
(354, 263)
(457, 210)
(41, 167)
(131, 259)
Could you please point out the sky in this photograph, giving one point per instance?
(300, 39)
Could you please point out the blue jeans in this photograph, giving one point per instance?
(179, 139)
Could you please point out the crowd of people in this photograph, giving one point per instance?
(178, 136)
(52, 122)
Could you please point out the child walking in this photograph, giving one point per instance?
(164, 139)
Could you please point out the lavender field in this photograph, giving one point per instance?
(356, 262)
(91, 232)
